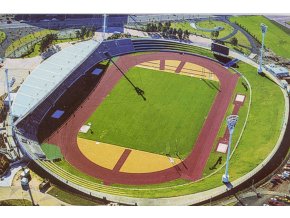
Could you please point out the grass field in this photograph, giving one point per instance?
(70, 198)
(36, 49)
(243, 43)
(27, 39)
(16, 202)
(2, 36)
(204, 24)
(169, 121)
(277, 39)
(51, 151)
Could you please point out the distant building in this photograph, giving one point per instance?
(277, 71)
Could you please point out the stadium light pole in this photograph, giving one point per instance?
(264, 30)
(231, 123)
(104, 26)
(8, 90)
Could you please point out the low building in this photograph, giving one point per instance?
(277, 71)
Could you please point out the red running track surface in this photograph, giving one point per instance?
(191, 168)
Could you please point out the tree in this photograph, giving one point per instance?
(83, 31)
(234, 41)
(180, 33)
(160, 27)
(78, 34)
(215, 34)
(186, 34)
(174, 32)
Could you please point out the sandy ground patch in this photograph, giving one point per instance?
(145, 162)
(153, 65)
(102, 154)
(171, 65)
(107, 155)
(198, 71)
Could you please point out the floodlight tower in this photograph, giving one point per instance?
(264, 30)
(231, 123)
(9, 99)
(104, 26)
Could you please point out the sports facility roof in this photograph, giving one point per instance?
(48, 75)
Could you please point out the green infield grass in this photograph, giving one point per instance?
(277, 38)
(169, 121)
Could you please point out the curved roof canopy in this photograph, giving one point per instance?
(48, 75)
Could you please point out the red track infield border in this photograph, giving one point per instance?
(191, 168)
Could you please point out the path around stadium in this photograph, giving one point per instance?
(42, 199)
(192, 166)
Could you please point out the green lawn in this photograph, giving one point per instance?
(27, 39)
(168, 121)
(51, 151)
(204, 24)
(16, 202)
(70, 198)
(2, 36)
(35, 51)
(277, 38)
(228, 29)
(243, 42)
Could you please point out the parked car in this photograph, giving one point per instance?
(274, 182)
(286, 174)
(277, 179)
(275, 203)
(281, 176)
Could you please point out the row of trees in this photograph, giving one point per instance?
(85, 32)
(47, 41)
(167, 31)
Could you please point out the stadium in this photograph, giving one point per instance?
(142, 121)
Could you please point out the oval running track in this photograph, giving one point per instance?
(191, 168)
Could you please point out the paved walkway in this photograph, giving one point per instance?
(42, 199)
(6, 180)
(282, 19)
(17, 68)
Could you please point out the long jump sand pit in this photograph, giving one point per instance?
(107, 156)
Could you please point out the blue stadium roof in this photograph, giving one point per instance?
(48, 75)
